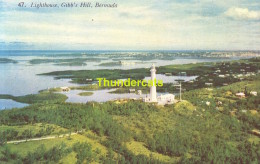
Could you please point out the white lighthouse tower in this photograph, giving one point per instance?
(153, 96)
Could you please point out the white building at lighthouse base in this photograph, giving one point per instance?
(165, 99)
(162, 99)
(149, 99)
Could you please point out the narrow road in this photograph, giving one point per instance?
(39, 139)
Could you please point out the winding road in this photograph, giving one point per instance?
(39, 139)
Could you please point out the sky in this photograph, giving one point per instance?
(133, 25)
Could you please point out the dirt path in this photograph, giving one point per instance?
(39, 139)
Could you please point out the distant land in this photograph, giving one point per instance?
(131, 53)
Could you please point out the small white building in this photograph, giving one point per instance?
(240, 95)
(139, 92)
(165, 99)
(131, 90)
(65, 89)
(208, 103)
(209, 84)
(183, 73)
(253, 93)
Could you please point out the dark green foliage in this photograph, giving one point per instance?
(43, 97)
(129, 108)
(11, 134)
(71, 116)
(8, 134)
(7, 155)
(127, 157)
(42, 155)
(203, 146)
(84, 152)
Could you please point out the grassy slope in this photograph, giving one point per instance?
(24, 148)
(35, 128)
(139, 148)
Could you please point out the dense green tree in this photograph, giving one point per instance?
(84, 152)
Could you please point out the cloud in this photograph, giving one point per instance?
(15, 45)
(242, 14)
(148, 24)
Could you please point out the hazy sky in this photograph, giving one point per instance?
(133, 25)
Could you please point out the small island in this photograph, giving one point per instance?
(6, 60)
(64, 62)
(86, 93)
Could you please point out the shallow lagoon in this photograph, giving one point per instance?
(7, 104)
(98, 96)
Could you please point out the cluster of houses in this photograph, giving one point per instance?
(239, 95)
(180, 74)
(224, 71)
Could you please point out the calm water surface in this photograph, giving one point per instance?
(7, 104)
